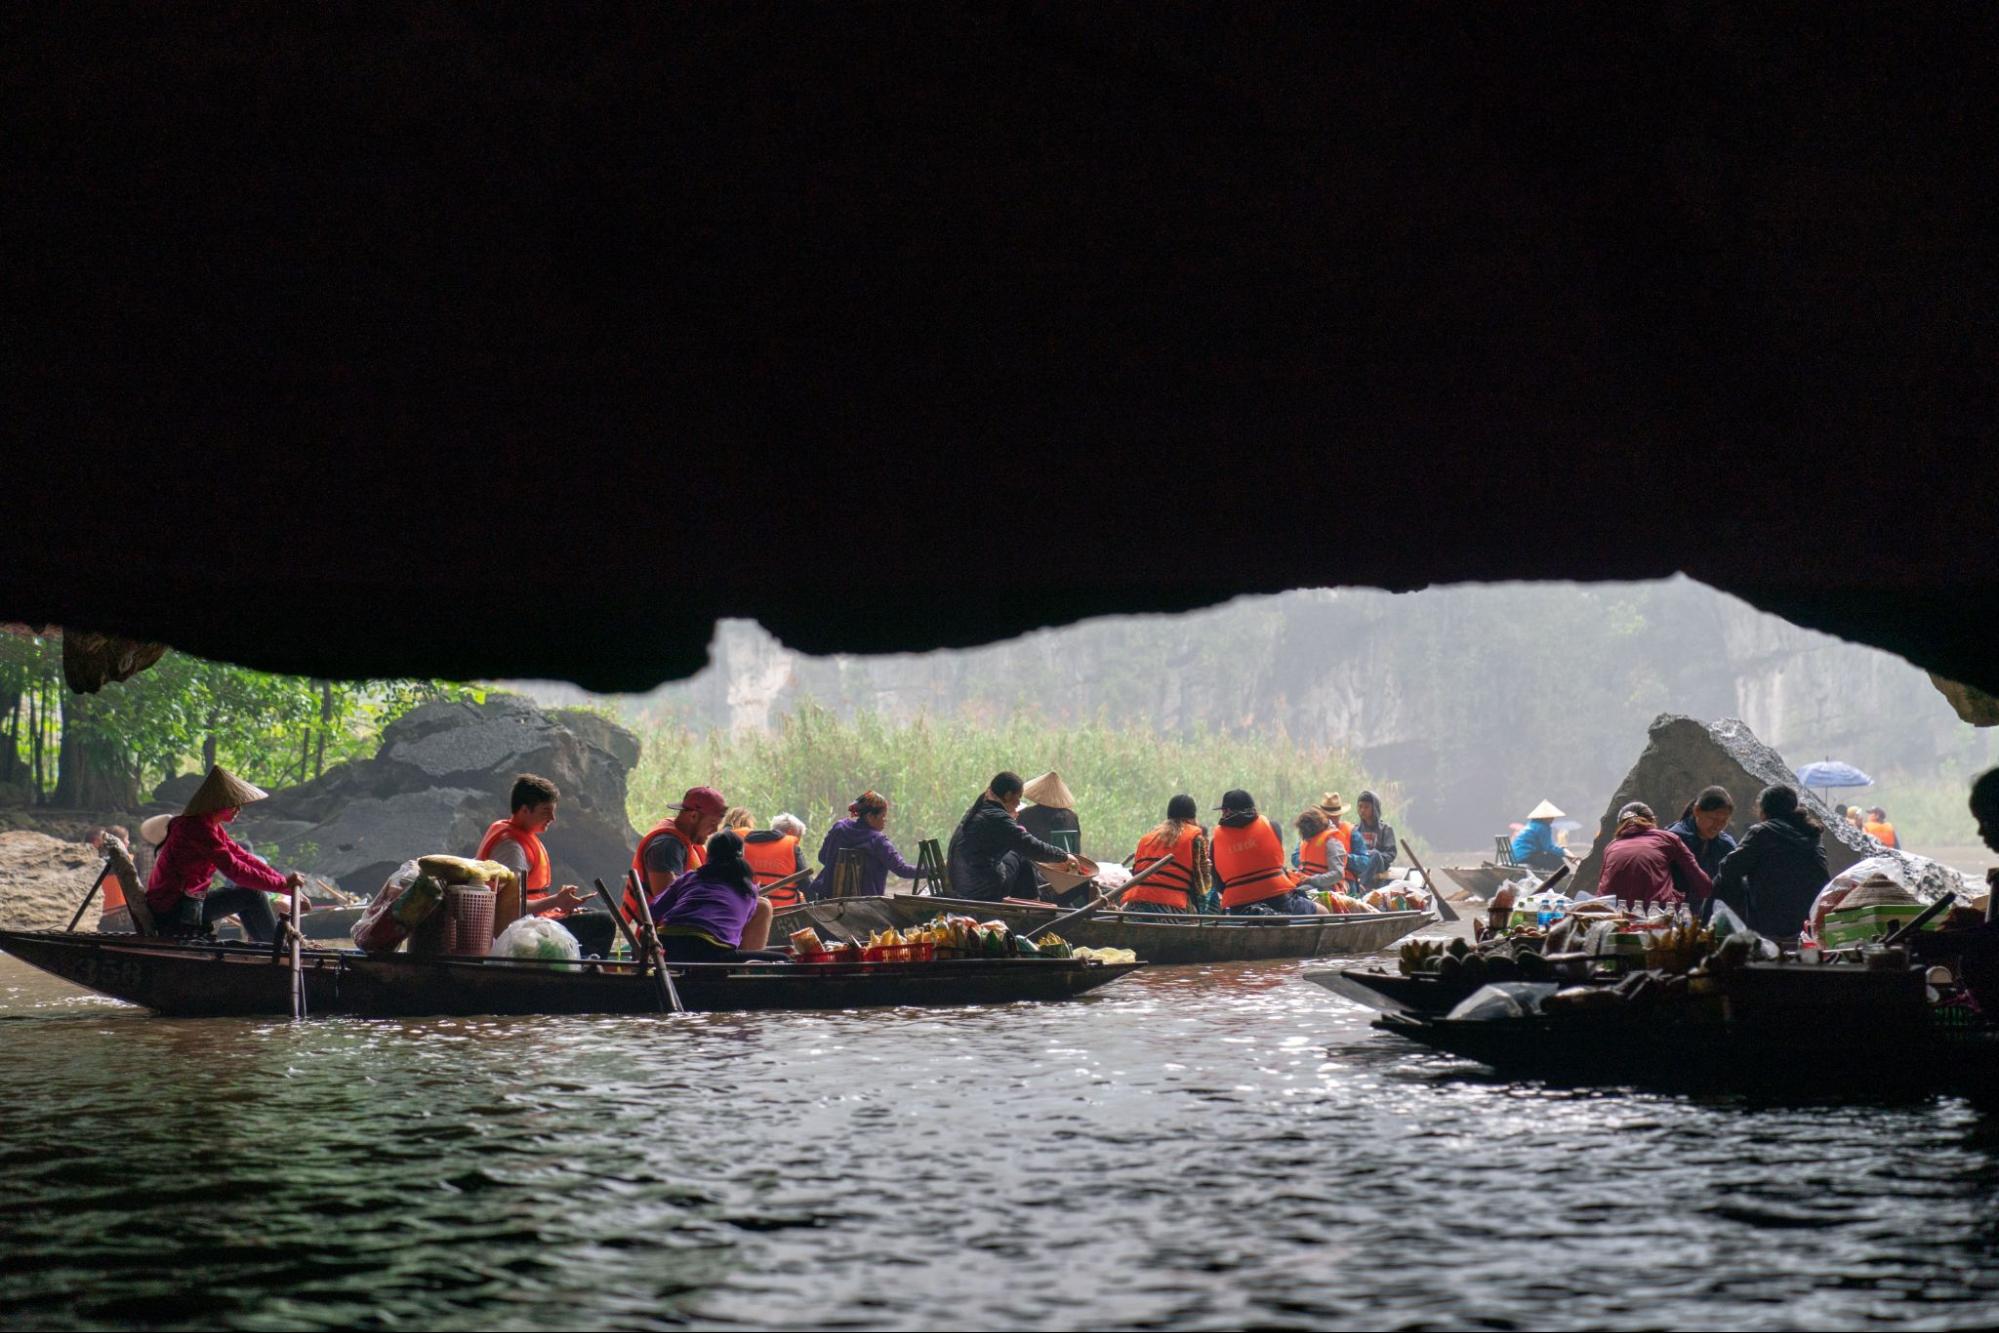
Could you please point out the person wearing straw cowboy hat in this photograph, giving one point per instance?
(1052, 817)
(1534, 846)
(195, 847)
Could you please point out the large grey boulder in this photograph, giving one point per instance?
(1684, 754)
(441, 775)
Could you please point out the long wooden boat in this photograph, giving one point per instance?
(325, 923)
(1155, 938)
(1480, 881)
(1393, 993)
(206, 979)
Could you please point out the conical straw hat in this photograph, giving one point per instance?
(1546, 810)
(154, 830)
(220, 790)
(1049, 790)
(1877, 890)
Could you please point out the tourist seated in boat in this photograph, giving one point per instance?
(1877, 826)
(1376, 837)
(1772, 878)
(515, 842)
(776, 853)
(677, 845)
(1646, 864)
(1322, 853)
(1534, 846)
(992, 856)
(864, 831)
(1175, 888)
(1249, 863)
(1703, 826)
(713, 913)
(196, 848)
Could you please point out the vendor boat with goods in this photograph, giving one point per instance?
(446, 936)
(1653, 998)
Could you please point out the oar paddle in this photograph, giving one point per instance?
(795, 877)
(669, 994)
(298, 967)
(1089, 910)
(95, 884)
(617, 916)
(1444, 909)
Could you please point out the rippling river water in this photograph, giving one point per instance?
(1193, 1147)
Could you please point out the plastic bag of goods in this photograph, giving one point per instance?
(1397, 896)
(1921, 879)
(1112, 877)
(408, 899)
(537, 939)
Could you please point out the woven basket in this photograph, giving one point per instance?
(471, 911)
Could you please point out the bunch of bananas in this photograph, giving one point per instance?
(1419, 956)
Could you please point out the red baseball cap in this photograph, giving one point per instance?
(705, 799)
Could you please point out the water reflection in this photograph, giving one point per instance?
(1203, 1147)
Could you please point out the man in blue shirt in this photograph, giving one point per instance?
(1534, 846)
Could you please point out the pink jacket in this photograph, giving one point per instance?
(197, 847)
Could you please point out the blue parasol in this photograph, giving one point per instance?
(1832, 773)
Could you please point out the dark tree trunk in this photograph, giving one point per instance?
(325, 721)
(92, 772)
(208, 744)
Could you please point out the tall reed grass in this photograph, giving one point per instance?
(932, 770)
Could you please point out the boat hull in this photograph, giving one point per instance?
(188, 979)
(1156, 939)
(1391, 993)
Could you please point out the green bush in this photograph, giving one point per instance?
(931, 771)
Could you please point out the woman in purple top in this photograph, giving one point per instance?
(713, 914)
(864, 832)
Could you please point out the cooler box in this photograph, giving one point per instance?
(1856, 925)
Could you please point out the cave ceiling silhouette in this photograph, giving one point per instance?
(438, 340)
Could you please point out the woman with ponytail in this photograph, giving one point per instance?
(862, 830)
(712, 914)
(1772, 878)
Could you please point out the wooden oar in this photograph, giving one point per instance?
(1444, 909)
(95, 884)
(617, 916)
(795, 877)
(1089, 910)
(298, 967)
(669, 994)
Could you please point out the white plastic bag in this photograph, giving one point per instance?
(1111, 877)
(537, 939)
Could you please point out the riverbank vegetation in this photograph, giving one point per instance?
(106, 751)
(814, 762)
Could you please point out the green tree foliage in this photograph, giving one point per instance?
(814, 763)
(105, 751)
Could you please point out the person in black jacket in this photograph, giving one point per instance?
(992, 856)
(1772, 878)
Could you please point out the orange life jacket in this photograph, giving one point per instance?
(1312, 854)
(1173, 885)
(1250, 863)
(1344, 832)
(1885, 832)
(540, 876)
(664, 829)
(770, 861)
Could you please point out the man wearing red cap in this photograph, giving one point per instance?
(675, 845)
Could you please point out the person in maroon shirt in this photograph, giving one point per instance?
(197, 846)
(1647, 864)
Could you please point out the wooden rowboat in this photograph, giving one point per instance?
(1155, 938)
(206, 979)
(1393, 993)
(325, 923)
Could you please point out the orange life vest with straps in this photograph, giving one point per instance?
(1344, 832)
(1173, 884)
(1312, 854)
(664, 829)
(540, 876)
(771, 859)
(1250, 862)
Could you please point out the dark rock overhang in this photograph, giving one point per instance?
(432, 340)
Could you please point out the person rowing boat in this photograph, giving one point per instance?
(196, 846)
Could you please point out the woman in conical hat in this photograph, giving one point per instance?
(196, 847)
(1052, 818)
(1534, 845)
